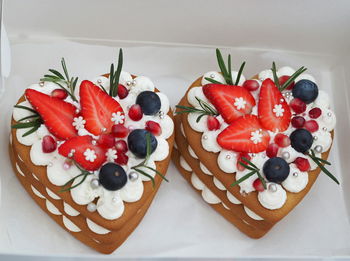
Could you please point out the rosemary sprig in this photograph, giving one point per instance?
(59, 79)
(206, 109)
(320, 163)
(212, 80)
(143, 164)
(84, 173)
(31, 122)
(253, 170)
(115, 75)
(240, 71)
(290, 80)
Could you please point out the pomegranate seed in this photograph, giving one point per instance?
(239, 159)
(213, 123)
(311, 125)
(302, 164)
(285, 78)
(298, 122)
(257, 184)
(282, 140)
(315, 113)
(272, 150)
(251, 85)
(59, 93)
(121, 146)
(153, 127)
(48, 144)
(122, 159)
(135, 112)
(106, 140)
(122, 91)
(298, 105)
(119, 131)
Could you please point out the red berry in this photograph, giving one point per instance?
(298, 122)
(282, 140)
(283, 79)
(119, 131)
(251, 85)
(153, 127)
(135, 112)
(311, 125)
(122, 159)
(315, 113)
(298, 105)
(122, 91)
(59, 93)
(121, 146)
(213, 123)
(272, 150)
(239, 159)
(302, 164)
(48, 144)
(106, 140)
(257, 184)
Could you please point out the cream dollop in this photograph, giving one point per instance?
(273, 199)
(296, 180)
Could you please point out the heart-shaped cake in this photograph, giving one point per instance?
(253, 148)
(93, 157)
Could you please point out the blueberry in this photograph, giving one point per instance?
(301, 140)
(276, 169)
(149, 102)
(112, 176)
(137, 142)
(305, 90)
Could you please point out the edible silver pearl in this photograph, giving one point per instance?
(273, 187)
(324, 129)
(318, 149)
(295, 174)
(212, 76)
(281, 100)
(104, 129)
(285, 155)
(133, 82)
(93, 142)
(228, 157)
(50, 164)
(315, 137)
(77, 111)
(114, 199)
(133, 176)
(99, 81)
(205, 137)
(253, 155)
(41, 84)
(128, 83)
(91, 207)
(94, 183)
(161, 114)
(71, 153)
(329, 114)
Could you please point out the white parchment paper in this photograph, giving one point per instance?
(179, 223)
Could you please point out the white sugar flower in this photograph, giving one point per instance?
(256, 136)
(111, 155)
(118, 117)
(240, 103)
(90, 155)
(78, 122)
(278, 110)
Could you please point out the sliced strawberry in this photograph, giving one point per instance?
(230, 101)
(97, 108)
(84, 152)
(57, 114)
(274, 112)
(244, 135)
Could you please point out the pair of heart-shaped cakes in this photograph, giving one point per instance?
(93, 155)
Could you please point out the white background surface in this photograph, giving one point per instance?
(179, 224)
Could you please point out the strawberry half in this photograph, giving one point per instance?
(97, 108)
(88, 156)
(231, 101)
(274, 112)
(244, 135)
(57, 114)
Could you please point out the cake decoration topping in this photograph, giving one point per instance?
(278, 110)
(90, 155)
(239, 103)
(256, 136)
(78, 122)
(118, 118)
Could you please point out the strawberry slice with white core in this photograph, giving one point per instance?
(274, 112)
(57, 114)
(245, 134)
(231, 101)
(84, 151)
(99, 109)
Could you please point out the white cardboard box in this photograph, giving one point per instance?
(172, 42)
